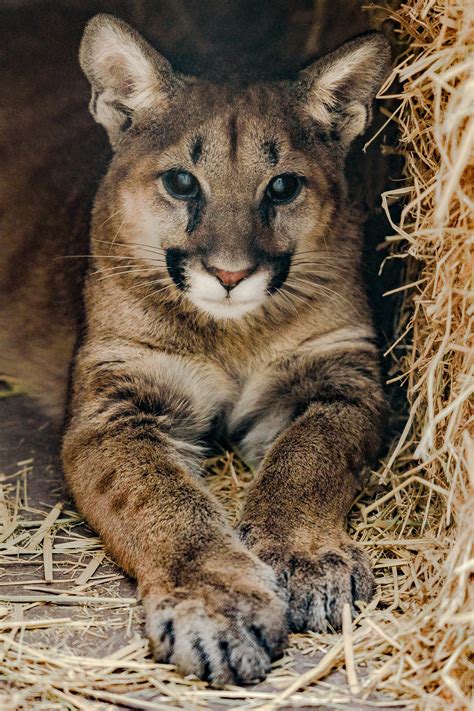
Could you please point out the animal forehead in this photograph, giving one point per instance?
(247, 128)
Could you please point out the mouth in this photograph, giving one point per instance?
(227, 301)
(226, 309)
(206, 292)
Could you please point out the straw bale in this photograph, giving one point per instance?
(412, 643)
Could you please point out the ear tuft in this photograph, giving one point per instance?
(339, 88)
(126, 74)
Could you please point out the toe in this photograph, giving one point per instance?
(246, 661)
(160, 630)
(320, 586)
(217, 649)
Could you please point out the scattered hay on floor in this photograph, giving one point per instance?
(415, 517)
(71, 635)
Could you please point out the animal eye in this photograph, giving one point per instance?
(180, 184)
(283, 188)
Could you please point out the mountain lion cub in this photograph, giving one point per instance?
(223, 296)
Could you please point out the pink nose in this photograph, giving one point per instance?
(230, 279)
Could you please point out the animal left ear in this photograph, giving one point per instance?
(338, 89)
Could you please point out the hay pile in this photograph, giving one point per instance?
(435, 236)
(414, 518)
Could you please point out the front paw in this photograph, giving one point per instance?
(319, 583)
(225, 625)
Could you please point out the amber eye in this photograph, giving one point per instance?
(283, 188)
(180, 184)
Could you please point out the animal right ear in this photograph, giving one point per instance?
(338, 89)
(126, 74)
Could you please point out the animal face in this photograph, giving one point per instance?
(229, 201)
(226, 186)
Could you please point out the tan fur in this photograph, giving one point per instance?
(294, 378)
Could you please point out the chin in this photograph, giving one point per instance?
(227, 309)
(212, 299)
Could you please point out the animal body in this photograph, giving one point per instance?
(223, 295)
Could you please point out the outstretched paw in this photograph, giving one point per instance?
(226, 627)
(320, 583)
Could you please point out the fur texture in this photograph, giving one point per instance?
(284, 364)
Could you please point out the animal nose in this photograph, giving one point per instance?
(229, 279)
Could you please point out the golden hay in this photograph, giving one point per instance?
(414, 518)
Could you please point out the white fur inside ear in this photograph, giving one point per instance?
(341, 86)
(357, 117)
(122, 62)
(323, 92)
(126, 74)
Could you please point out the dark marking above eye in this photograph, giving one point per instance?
(196, 150)
(233, 136)
(271, 149)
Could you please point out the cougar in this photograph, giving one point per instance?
(223, 297)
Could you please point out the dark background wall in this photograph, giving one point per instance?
(221, 38)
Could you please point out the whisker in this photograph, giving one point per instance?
(154, 292)
(314, 272)
(146, 283)
(110, 217)
(304, 281)
(101, 256)
(153, 250)
(303, 301)
(156, 267)
(307, 303)
(319, 263)
(323, 254)
(320, 258)
(126, 271)
(117, 233)
(317, 287)
(274, 298)
(312, 251)
(288, 300)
